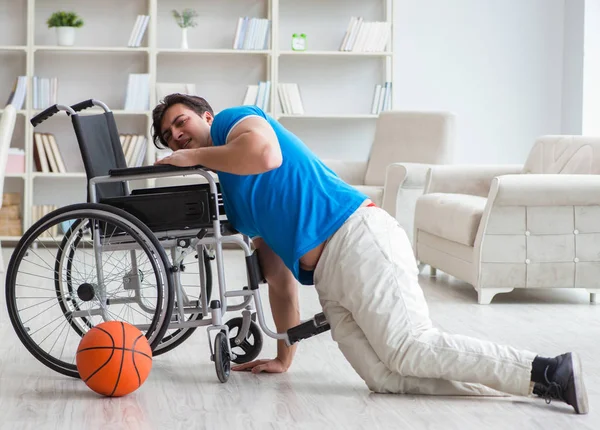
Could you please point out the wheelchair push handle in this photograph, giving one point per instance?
(44, 115)
(82, 105)
(86, 104)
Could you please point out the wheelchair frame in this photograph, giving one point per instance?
(181, 244)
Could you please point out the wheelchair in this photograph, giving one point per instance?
(141, 256)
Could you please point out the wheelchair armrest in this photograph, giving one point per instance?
(149, 170)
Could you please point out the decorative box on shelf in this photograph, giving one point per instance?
(11, 223)
(15, 163)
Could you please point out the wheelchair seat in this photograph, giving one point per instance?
(168, 208)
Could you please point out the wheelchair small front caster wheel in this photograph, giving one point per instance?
(222, 361)
(249, 348)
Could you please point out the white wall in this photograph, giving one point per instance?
(497, 64)
(591, 72)
(572, 98)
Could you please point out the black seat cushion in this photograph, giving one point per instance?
(168, 208)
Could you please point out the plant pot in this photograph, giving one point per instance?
(65, 36)
(184, 39)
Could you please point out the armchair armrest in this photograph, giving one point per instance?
(474, 180)
(402, 176)
(351, 172)
(546, 190)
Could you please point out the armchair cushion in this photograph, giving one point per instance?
(455, 217)
(351, 172)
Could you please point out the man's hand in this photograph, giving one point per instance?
(180, 158)
(269, 366)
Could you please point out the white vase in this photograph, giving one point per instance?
(184, 40)
(65, 36)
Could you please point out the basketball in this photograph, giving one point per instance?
(114, 358)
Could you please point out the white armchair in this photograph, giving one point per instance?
(405, 145)
(7, 125)
(505, 227)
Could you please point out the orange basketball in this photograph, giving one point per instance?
(114, 358)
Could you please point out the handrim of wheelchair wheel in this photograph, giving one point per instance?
(79, 266)
(222, 359)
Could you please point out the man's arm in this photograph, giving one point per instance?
(283, 298)
(251, 148)
(286, 314)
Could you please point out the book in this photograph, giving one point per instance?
(251, 95)
(39, 154)
(258, 95)
(252, 33)
(56, 153)
(366, 36)
(140, 35)
(18, 93)
(46, 154)
(138, 31)
(137, 97)
(163, 89)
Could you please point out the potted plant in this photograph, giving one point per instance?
(65, 24)
(184, 20)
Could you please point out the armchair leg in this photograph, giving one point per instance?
(420, 266)
(593, 294)
(485, 295)
(432, 271)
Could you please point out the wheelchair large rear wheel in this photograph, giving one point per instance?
(79, 266)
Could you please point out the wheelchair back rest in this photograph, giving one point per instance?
(101, 150)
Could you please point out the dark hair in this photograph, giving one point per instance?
(195, 103)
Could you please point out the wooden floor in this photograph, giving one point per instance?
(321, 391)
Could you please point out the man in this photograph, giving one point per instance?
(308, 225)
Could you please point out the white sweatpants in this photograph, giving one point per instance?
(367, 281)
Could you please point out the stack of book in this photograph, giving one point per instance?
(10, 215)
(18, 93)
(252, 33)
(382, 99)
(258, 95)
(46, 154)
(134, 149)
(363, 36)
(290, 100)
(45, 92)
(138, 92)
(40, 211)
(138, 30)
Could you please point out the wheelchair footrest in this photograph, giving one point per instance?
(318, 324)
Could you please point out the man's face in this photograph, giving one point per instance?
(181, 128)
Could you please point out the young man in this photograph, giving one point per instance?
(308, 225)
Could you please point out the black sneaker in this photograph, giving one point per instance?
(566, 384)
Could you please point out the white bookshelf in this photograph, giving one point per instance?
(336, 87)
(214, 51)
(88, 49)
(337, 53)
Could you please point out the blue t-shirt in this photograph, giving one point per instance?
(294, 207)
